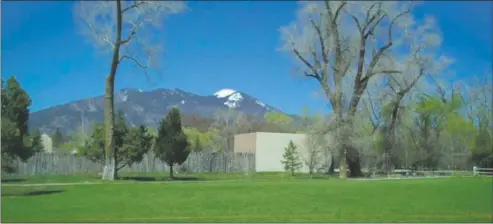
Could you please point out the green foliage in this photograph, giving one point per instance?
(136, 143)
(130, 143)
(14, 117)
(36, 144)
(15, 104)
(57, 139)
(172, 146)
(94, 148)
(292, 161)
(198, 140)
(12, 146)
(282, 122)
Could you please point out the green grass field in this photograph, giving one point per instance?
(254, 198)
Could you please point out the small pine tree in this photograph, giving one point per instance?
(36, 142)
(292, 161)
(171, 145)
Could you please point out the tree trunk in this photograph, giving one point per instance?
(171, 171)
(109, 171)
(340, 138)
(332, 164)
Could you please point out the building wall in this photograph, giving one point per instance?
(47, 144)
(270, 148)
(245, 143)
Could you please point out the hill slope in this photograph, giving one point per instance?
(146, 107)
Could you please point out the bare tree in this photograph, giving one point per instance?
(120, 28)
(312, 156)
(343, 45)
(227, 123)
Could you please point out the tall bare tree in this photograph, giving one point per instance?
(120, 28)
(343, 45)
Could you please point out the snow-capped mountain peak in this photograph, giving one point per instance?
(233, 97)
(148, 107)
(224, 93)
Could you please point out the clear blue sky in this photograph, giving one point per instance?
(214, 45)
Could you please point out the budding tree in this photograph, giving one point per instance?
(343, 46)
(119, 28)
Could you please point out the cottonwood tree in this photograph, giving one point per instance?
(343, 45)
(423, 61)
(123, 29)
(477, 98)
(228, 123)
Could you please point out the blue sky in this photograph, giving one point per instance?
(214, 45)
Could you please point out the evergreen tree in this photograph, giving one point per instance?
(15, 114)
(15, 105)
(137, 142)
(36, 143)
(57, 139)
(130, 144)
(292, 161)
(172, 146)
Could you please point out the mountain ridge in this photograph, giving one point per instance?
(146, 107)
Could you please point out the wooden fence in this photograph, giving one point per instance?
(54, 163)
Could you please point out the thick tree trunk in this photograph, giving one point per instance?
(109, 171)
(109, 162)
(171, 172)
(340, 138)
(332, 164)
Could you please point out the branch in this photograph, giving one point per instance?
(335, 29)
(382, 50)
(321, 40)
(132, 59)
(315, 73)
(135, 5)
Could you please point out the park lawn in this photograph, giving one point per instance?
(137, 177)
(424, 200)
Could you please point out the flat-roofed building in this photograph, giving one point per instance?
(269, 148)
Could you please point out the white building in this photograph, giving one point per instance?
(269, 149)
(47, 143)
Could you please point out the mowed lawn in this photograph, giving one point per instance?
(256, 200)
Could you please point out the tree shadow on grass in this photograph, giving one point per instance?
(13, 180)
(147, 179)
(32, 193)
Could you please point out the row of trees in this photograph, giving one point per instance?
(170, 144)
(370, 60)
(374, 62)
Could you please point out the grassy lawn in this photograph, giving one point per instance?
(249, 200)
(142, 177)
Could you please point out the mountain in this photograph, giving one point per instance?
(146, 107)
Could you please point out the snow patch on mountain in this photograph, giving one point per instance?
(224, 93)
(234, 100)
(260, 103)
